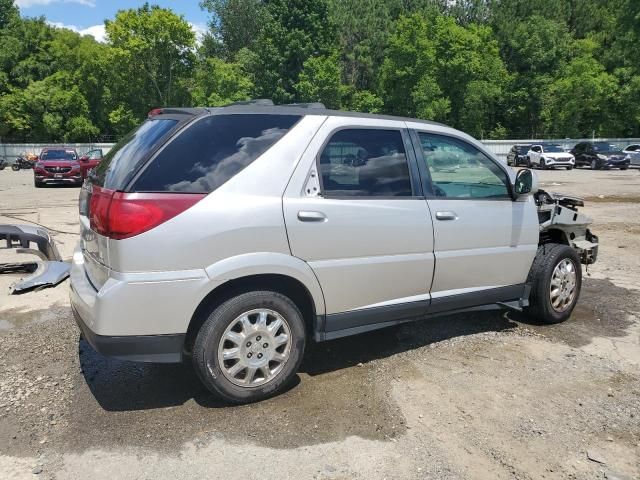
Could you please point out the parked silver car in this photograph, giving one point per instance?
(233, 236)
(633, 152)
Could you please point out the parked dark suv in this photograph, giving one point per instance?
(599, 155)
(518, 155)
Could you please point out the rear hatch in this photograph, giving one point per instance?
(113, 174)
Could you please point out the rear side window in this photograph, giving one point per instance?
(211, 151)
(117, 167)
(365, 163)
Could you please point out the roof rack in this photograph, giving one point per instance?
(261, 102)
(306, 105)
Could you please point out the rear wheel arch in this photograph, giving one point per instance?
(288, 286)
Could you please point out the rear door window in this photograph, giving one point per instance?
(365, 163)
(211, 151)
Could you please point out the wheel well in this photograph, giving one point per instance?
(283, 284)
(553, 235)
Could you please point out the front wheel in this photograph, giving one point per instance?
(250, 347)
(555, 279)
(15, 167)
(624, 168)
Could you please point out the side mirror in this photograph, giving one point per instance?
(526, 182)
(84, 158)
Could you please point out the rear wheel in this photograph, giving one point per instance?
(555, 279)
(250, 347)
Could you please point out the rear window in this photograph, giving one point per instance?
(58, 155)
(119, 165)
(212, 151)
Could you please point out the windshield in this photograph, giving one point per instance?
(605, 147)
(553, 148)
(522, 148)
(117, 167)
(58, 155)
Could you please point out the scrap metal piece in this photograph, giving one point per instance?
(48, 274)
(27, 239)
(19, 237)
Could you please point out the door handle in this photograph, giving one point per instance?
(448, 215)
(311, 216)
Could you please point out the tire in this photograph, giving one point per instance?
(546, 264)
(569, 168)
(218, 375)
(15, 167)
(37, 184)
(624, 168)
(528, 163)
(543, 164)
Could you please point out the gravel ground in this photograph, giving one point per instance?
(468, 396)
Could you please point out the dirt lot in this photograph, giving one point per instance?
(470, 396)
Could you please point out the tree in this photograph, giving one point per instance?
(294, 31)
(159, 44)
(578, 102)
(436, 69)
(8, 12)
(319, 81)
(234, 24)
(219, 83)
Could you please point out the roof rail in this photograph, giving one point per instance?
(261, 102)
(306, 105)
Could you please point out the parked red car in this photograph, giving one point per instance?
(57, 165)
(89, 161)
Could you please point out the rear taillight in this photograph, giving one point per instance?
(120, 215)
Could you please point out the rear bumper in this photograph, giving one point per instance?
(136, 348)
(134, 319)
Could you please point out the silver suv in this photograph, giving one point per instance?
(233, 236)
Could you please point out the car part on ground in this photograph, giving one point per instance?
(27, 239)
(308, 224)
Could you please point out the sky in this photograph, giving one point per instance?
(87, 16)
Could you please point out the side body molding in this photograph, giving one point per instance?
(266, 263)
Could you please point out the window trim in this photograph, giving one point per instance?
(414, 174)
(426, 174)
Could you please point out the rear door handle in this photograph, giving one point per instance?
(311, 216)
(448, 215)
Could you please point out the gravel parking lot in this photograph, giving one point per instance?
(469, 396)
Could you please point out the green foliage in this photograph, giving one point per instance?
(219, 83)
(319, 81)
(494, 68)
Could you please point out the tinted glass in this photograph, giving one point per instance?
(459, 170)
(211, 151)
(58, 155)
(553, 148)
(118, 166)
(365, 163)
(605, 147)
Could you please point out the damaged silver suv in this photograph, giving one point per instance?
(233, 236)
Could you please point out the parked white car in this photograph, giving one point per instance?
(547, 155)
(633, 152)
